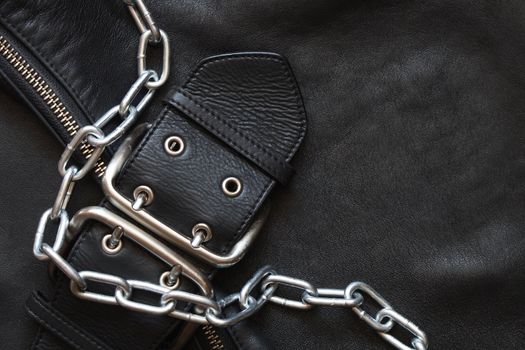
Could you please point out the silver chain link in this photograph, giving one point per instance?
(256, 292)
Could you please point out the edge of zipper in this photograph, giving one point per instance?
(49, 97)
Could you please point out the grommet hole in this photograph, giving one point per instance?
(110, 246)
(167, 282)
(174, 145)
(143, 196)
(232, 186)
(201, 233)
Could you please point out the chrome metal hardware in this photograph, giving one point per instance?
(174, 145)
(206, 310)
(64, 192)
(166, 53)
(59, 238)
(143, 18)
(151, 223)
(231, 186)
(137, 235)
(112, 243)
(48, 96)
(143, 197)
(170, 279)
(353, 289)
(419, 340)
(80, 137)
(201, 233)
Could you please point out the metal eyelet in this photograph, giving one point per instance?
(109, 247)
(231, 186)
(174, 145)
(143, 197)
(171, 279)
(201, 233)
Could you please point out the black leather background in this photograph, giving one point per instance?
(411, 176)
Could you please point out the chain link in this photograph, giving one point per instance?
(256, 292)
(209, 311)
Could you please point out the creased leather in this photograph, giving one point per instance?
(263, 118)
(177, 182)
(411, 176)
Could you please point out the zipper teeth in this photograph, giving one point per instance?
(213, 338)
(71, 126)
(49, 97)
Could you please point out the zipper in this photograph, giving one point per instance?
(213, 337)
(71, 126)
(48, 96)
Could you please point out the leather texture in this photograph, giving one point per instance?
(266, 112)
(411, 175)
(52, 319)
(21, 160)
(263, 119)
(112, 325)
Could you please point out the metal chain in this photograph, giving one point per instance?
(256, 292)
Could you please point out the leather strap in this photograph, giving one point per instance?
(187, 190)
(277, 168)
(49, 317)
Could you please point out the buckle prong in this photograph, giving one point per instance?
(137, 235)
(189, 243)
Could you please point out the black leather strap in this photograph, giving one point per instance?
(50, 318)
(268, 111)
(277, 168)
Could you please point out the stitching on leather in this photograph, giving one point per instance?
(124, 171)
(73, 258)
(142, 145)
(268, 166)
(235, 336)
(61, 278)
(300, 111)
(219, 118)
(42, 321)
(66, 323)
(51, 66)
(248, 216)
(73, 255)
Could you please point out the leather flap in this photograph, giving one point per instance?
(239, 115)
(251, 102)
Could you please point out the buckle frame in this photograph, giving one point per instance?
(137, 235)
(156, 226)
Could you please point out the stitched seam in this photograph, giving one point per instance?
(55, 330)
(291, 81)
(143, 144)
(62, 278)
(248, 216)
(235, 336)
(72, 259)
(51, 67)
(226, 123)
(300, 114)
(253, 155)
(68, 324)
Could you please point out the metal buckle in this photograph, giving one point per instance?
(157, 248)
(150, 222)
